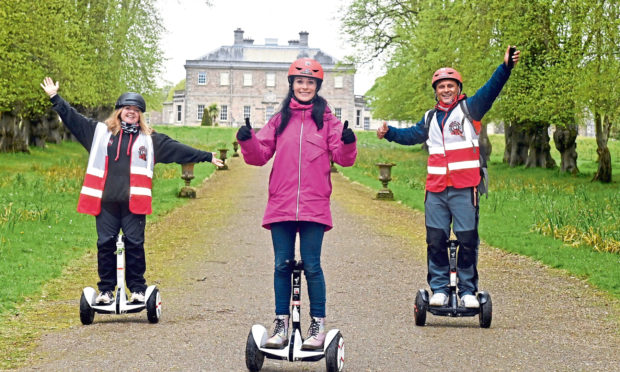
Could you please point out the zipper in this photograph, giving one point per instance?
(301, 132)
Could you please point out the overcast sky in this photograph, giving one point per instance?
(195, 29)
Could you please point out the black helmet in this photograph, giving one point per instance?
(130, 99)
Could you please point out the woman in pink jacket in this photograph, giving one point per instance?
(304, 136)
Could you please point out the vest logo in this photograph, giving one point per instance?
(142, 153)
(455, 128)
(110, 141)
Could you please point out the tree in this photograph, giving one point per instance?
(213, 110)
(569, 50)
(96, 49)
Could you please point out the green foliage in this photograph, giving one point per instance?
(206, 119)
(96, 49)
(180, 86)
(40, 230)
(564, 221)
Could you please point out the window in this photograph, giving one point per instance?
(358, 116)
(338, 82)
(224, 78)
(201, 111)
(338, 113)
(247, 80)
(223, 112)
(270, 79)
(366, 123)
(268, 113)
(202, 78)
(246, 112)
(179, 110)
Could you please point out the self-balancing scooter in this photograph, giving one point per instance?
(453, 309)
(120, 304)
(333, 348)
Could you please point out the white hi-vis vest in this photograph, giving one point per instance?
(453, 154)
(142, 162)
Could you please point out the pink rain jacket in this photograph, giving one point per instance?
(300, 182)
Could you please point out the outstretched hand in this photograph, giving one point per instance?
(245, 132)
(215, 161)
(49, 87)
(382, 130)
(511, 60)
(347, 134)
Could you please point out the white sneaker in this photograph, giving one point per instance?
(438, 299)
(105, 297)
(137, 297)
(470, 301)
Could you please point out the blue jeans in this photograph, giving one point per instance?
(458, 207)
(283, 235)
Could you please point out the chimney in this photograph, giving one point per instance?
(238, 36)
(303, 38)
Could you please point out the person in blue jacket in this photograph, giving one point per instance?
(451, 131)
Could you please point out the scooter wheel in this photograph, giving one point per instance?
(87, 313)
(153, 306)
(419, 310)
(253, 356)
(486, 312)
(334, 354)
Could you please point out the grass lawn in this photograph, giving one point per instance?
(564, 221)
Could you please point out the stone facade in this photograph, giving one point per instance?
(245, 79)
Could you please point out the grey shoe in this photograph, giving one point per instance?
(438, 299)
(105, 297)
(316, 335)
(137, 297)
(470, 301)
(279, 338)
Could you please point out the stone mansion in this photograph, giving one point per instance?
(250, 80)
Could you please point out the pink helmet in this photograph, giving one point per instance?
(307, 67)
(446, 73)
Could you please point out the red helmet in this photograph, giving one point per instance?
(307, 67)
(446, 73)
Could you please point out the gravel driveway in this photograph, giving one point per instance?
(374, 262)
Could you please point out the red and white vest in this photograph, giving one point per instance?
(454, 155)
(142, 162)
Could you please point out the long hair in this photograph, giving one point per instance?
(318, 109)
(114, 123)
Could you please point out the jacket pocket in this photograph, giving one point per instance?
(315, 146)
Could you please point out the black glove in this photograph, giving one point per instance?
(347, 134)
(245, 132)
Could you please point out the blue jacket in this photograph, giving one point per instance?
(478, 105)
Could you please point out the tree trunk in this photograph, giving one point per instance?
(603, 126)
(485, 145)
(516, 145)
(565, 142)
(13, 134)
(539, 155)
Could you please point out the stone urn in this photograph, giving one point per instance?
(385, 176)
(235, 147)
(223, 158)
(187, 174)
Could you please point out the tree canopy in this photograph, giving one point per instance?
(569, 57)
(96, 49)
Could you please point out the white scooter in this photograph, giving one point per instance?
(333, 348)
(120, 304)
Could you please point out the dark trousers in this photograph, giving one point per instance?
(113, 218)
(459, 208)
